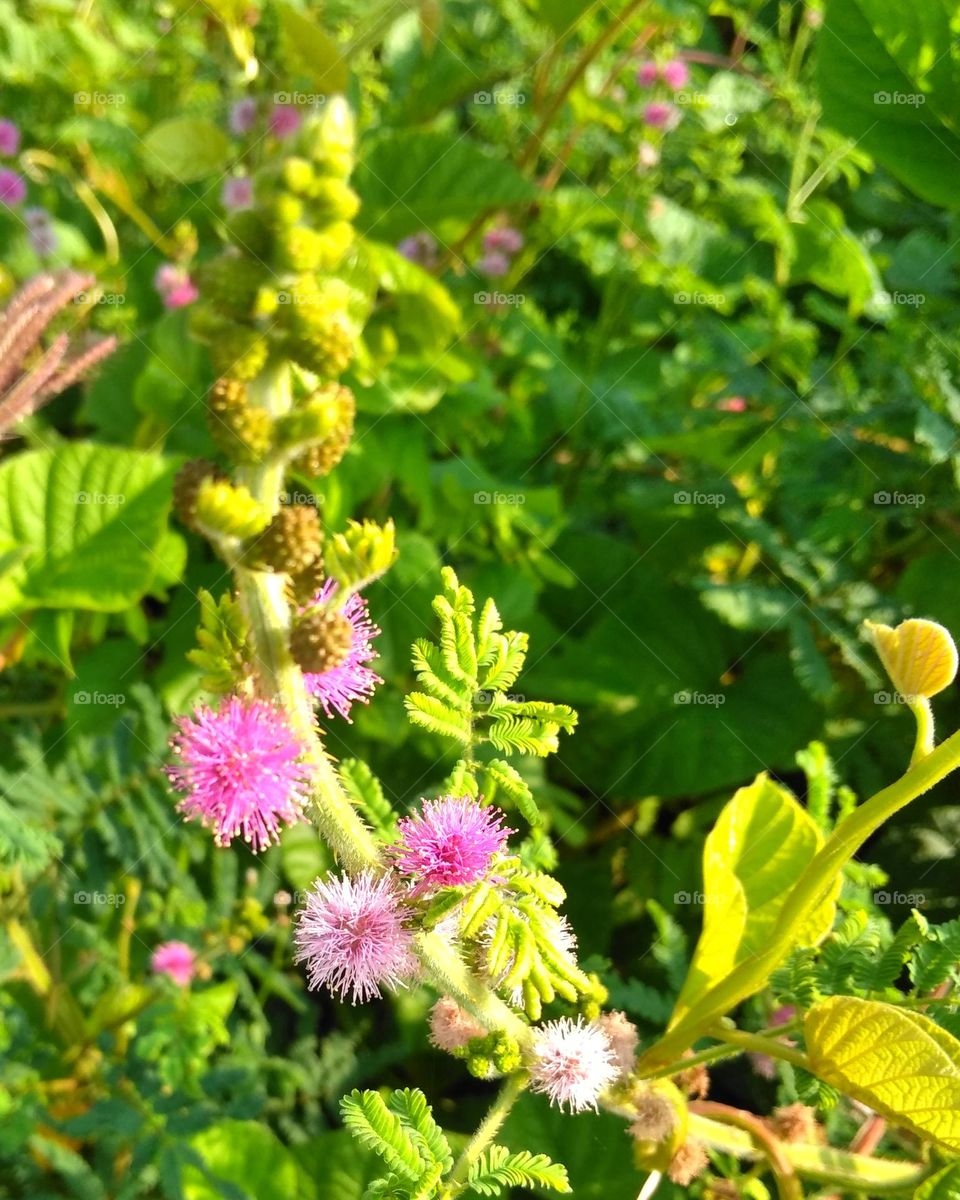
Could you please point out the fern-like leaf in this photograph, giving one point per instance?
(411, 1106)
(366, 792)
(523, 735)
(373, 1125)
(432, 714)
(500, 776)
(434, 676)
(497, 1169)
(504, 661)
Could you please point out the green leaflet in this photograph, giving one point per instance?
(945, 1185)
(402, 1131)
(900, 1063)
(186, 148)
(497, 1169)
(761, 844)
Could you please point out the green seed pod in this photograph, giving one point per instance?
(290, 543)
(327, 350)
(239, 351)
(321, 458)
(228, 510)
(321, 640)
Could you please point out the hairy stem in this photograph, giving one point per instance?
(488, 1129)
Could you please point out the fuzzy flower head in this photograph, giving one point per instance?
(240, 770)
(352, 937)
(450, 842)
(9, 138)
(494, 264)
(243, 116)
(13, 188)
(420, 248)
(623, 1038)
(284, 121)
(175, 286)
(573, 1063)
(175, 959)
(658, 114)
(503, 239)
(676, 74)
(647, 74)
(451, 1027)
(237, 193)
(351, 679)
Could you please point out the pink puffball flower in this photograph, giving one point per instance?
(420, 248)
(351, 935)
(623, 1038)
(734, 404)
(243, 116)
(180, 296)
(284, 121)
(647, 74)
(9, 138)
(504, 239)
(13, 188)
(450, 842)
(175, 959)
(494, 263)
(451, 1026)
(658, 114)
(676, 74)
(237, 193)
(338, 688)
(573, 1063)
(240, 770)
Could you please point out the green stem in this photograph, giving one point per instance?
(783, 1170)
(756, 1043)
(920, 707)
(487, 1131)
(822, 1164)
(810, 889)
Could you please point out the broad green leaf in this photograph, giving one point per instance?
(186, 148)
(945, 1185)
(248, 1156)
(900, 1063)
(416, 180)
(90, 519)
(761, 844)
(888, 78)
(309, 51)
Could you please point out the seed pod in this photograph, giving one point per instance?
(323, 457)
(290, 543)
(321, 640)
(326, 350)
(242, 431)
(305, 584)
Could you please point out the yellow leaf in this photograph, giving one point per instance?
(760, 846)
(919, 655)
(900, 1063)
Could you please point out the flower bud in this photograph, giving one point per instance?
(291, 541)
(224, 509)
(331, 138)
(361, 553)
(243, 431)
(186, 486)
(320, 640)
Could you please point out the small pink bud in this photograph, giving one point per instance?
(9, 138)
(658, 114)
(676, 74)
(284, 121)
(13, 189)
(734, 404)
(176, 960)
(237, 193)
(647, 74)
(243, 116)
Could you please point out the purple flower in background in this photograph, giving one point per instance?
(352, 937)
(339, 687)
(240, 770)
(494, 263)
(647, 74)
(40, 232)
(13, 188)
(420, 248)
(660, 115)
(504, 239)
(284, 121)
(175, 959)
(243, 115)
(9, 138)
(175, 286)
(237, 193)
(676, 74)
(451, 841)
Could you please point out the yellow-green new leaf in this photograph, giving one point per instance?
(760, 846)
(900, 1063)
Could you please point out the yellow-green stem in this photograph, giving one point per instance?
(488, 1129)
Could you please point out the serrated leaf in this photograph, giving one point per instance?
(432, 714)
(498, 1168)
(503, 777)
(761, 844)
(523, 735)
(900, 1063)
(367, 1117)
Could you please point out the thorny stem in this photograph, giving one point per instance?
(487, 1130)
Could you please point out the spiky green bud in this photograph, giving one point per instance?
(330, 139)
(326, 350)
(334, 199)
(284, 210)
(186, 486)
(361, 553)
(224, 509)
(291, 541)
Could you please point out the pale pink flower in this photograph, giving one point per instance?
(237, 193)
(450, 842)
(623, 1038)
(180, 296)
(451, 1027)
(573, 1063)
(647, 74)
(240, 770)
(647, 156)
(340, 687)
(420, 248)
(175, 286)
(734, 404)
(175, 959)
(504, 239)
(676, 74)
(13, 188)
(9, 138)
(494, 263)
(243, 115)
(284, 121)
(658, 114)
(351, 935)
